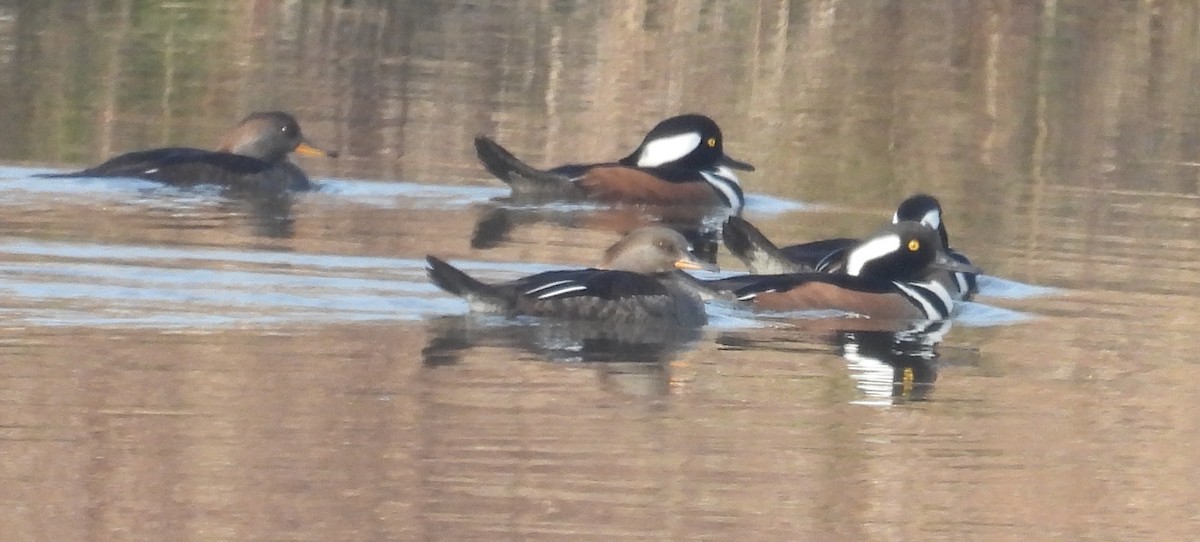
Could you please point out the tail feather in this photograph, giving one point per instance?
(523, 178)
(759, 254)
(481, 296)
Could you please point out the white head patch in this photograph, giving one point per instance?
(870, 251)
(667, 149)
(932, 218)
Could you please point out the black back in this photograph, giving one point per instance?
(605, 284)
(184, 166)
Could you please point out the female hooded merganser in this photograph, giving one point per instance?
(251, 157)
(829, 255)
(625, 289)
(890, 275)
(681, 161)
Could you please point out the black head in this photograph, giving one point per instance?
(925, 209)
(905, 250)
(687, 141)
(652, 249)
(269, 136)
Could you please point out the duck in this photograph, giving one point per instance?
(761, 256)
(889, 275)
(681, 161)
(627, 287)
(252, 156)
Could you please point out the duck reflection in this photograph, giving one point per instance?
(700, 225)
(268, 215)
(890, 361)
(893, 365)
(630, 359)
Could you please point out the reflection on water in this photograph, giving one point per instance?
(565, 341)
(630, 359)
(890, 362)
(893, 364)
(180, 364)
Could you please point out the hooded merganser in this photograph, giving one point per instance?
(761, 256)
(890, 275)
(251, 157)
(626, 288)
(681, 161)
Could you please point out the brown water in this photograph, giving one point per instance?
(179, 366)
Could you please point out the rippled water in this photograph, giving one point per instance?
(176, 364)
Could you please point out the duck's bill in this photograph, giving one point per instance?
(307, 149)
(693, 264)
(735, 164)
(947, 262)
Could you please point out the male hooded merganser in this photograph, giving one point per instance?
(890, 275)
(681, 161)
(829, 255)
(626, 288)
(251, 157)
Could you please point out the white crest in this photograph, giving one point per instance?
(668, 149)
(869, 251)
(932, 218)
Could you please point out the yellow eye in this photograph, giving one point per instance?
(712, 142)
(914, 245)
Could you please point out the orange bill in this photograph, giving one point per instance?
(307, 149)
(691, 263)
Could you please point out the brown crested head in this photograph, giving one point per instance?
(651, 250)
(269, 136)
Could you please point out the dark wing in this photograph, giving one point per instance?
(575, 171)
(596, 283)
(671, 175)
(746, 287)
(170, 164)
(675, 175)
(819, 254)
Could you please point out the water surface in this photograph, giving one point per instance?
(176, 364)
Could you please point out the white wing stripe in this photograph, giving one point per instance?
(549, 285)
(752, 295)
(561, 291)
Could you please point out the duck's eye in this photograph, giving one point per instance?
(914, 245)
(712, 142)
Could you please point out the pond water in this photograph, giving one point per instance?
(176, 364)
